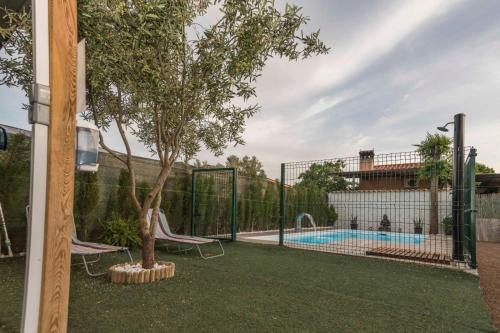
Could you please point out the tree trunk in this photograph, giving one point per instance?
(434, 226)
(148, 252)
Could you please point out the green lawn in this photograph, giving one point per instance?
(258, 288)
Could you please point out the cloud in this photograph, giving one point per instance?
(396, 71)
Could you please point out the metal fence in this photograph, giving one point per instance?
(388, 205)
(213, 205)
(470, 209)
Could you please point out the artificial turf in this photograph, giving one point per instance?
(265, 288)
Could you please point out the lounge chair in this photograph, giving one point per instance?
(84, 249)
(163, 233)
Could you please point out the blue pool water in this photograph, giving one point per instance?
(331, 236)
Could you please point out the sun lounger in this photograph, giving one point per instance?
(84, 249)
(163, 233)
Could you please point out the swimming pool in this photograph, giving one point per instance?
(332, 236)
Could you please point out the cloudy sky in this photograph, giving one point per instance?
(397, 69)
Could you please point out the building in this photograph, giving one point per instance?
(388, 175)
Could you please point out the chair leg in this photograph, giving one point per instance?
(129, 255)
(85, 263)
(179, 249)
(210, 257)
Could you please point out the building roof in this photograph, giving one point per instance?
(402, 166)
(381, 170)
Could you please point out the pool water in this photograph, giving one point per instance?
(332, 236)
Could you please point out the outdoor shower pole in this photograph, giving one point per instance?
(458, 187)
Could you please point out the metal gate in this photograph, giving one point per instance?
(213, 203)
(470, 209)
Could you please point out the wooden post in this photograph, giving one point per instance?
(61, 166)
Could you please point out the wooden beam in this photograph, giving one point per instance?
(61, 166)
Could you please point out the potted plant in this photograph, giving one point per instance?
(354, 222)
(418, 225)
(385, 224)
(447, 223)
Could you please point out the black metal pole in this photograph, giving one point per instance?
(282, 205)
(458, 187)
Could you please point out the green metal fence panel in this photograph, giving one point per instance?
(368, 205)
(214, 202)
(470, 208)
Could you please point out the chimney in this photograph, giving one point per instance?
(366, 158)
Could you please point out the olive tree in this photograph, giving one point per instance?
(157, 73)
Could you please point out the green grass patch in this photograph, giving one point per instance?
(259, 288)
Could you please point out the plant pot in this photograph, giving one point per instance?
(122, 273)
(418, 230)
(354, 226)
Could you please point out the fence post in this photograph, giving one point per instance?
(458, 187)
(472, 226)
(193, 200)
(234, 204)
(282, 203)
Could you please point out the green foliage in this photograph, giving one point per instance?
(142, 189)
(247, 166)
(124, 200)
(190, 74)
(112, 203)
(86, 200)
(14, 179)
(325, 176)
(16, 62)
(482, 168)
(331, 214)
(120, 231)
(435, 151)
(159, 75)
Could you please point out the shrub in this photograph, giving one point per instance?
(86, 200)
(120, 231)
(331, 215)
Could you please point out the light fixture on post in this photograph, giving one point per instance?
(87, 146)
(443, 128)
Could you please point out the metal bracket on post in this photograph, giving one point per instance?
(40, 104)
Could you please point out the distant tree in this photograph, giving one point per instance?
(247, 166)
(482, 168)
(325, 176)
(435, 153)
